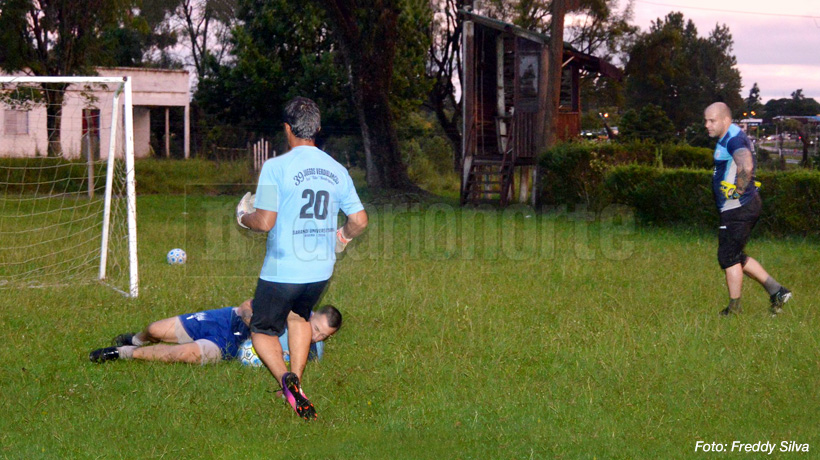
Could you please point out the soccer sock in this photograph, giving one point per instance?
(126, 352)
(771, 285)
(136, 341)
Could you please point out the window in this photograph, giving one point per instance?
(15, 122)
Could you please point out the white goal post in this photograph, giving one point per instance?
(60, 223)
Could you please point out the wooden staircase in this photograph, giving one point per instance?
(489, 178)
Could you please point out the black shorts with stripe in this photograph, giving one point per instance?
(735, 228)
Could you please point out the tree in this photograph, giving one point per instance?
(443, 66)
(367, 32)
(670, 66)
(650, 123)
(55, 37)
(792, 125)
(274, 61)
(558, 9)
(207, 25)
(144, 37)
(797, 105)
(753, 104)
(600, 29)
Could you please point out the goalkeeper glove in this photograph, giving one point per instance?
(729, 190)
(341, 240)
(245, 206)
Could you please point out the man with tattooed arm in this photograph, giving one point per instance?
(738, 200)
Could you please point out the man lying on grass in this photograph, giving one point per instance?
(207, 336)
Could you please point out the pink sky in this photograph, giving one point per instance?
(773, 48)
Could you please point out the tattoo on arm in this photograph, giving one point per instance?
(745, 165)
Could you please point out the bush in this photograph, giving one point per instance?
(574, 172)
(791, 200)
(429, 163)
(687, 156)
(662, 196)
(650, 123)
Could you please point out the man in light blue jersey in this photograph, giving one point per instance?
(297, 201)
(738, 201)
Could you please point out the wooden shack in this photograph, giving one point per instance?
(504, 96)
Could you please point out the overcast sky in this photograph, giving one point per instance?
(777, 43)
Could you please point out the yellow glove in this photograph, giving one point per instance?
(729, 190)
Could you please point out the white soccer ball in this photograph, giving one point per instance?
(176, 257)
(247, 355)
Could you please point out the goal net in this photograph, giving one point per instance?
(67, 198)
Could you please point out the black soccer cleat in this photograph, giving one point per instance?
(123, 339)
(778, 299)
(292, 391)
(102, 355)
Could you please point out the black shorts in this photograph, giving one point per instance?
(735, 227)
(273, 301)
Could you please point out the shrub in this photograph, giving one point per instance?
(650, 123)
(662, 196)
(573, 172)
(791, 200)
(686, 156)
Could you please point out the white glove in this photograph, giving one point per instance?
(245, 206)
(341, 240)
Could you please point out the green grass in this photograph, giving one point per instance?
(468, 334)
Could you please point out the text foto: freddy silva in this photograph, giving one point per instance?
(760, 446)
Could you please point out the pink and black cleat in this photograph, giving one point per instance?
(292, 391)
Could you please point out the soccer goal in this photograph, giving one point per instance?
(67, 194)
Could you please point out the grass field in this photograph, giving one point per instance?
(468, 335)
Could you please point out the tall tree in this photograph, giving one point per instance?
(206, 25)
(272, 62)
(672, 67)
(797, 105)
(144, 38)
(752, 103)
(601, 28)
(55, 37)
(367, 32)
(443, 67)
(558, 8)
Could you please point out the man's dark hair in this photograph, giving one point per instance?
(302, 114)
(334, 316)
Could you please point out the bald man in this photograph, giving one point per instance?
(738, 201)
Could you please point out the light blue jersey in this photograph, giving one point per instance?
(307, 189)
(317, 349)
(726, 168)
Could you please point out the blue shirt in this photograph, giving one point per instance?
(317, 349)
(307, 188)
(726, 168)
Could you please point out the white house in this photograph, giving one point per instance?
(86, 115)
